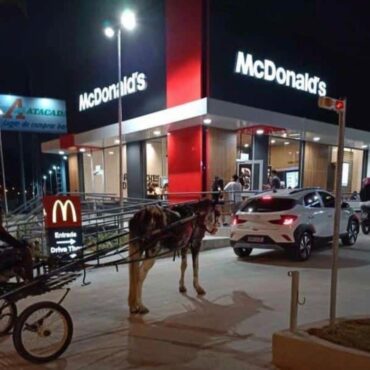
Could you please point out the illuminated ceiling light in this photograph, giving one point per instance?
(88, 154)
(109, 32)
(65, 157)
(82, 150)
(364, 146)
(111, 153)
(116, 141)
(61, 152)
(273, 141)
(316, 138)
(156, 132)
(246, 145)
(284, 134)
(207, 121)
(50, 172)
(286, 143)
(44, 177)
(128, 20)
(54, 168)
(260, 132)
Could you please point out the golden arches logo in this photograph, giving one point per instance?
(64, 209)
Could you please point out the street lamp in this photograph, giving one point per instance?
(51, 183)
(128, 22)
(3, 167)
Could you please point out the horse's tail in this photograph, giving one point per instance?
(134, 255)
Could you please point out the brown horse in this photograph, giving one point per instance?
(151, 230)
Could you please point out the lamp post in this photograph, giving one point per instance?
(3, 168)
(44, 177)
(51, 183)
(128, 22)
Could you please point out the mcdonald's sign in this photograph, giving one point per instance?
(62, 216)
(62, 211)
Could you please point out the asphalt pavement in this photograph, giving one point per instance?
(229, 328)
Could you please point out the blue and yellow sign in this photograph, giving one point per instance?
(18, 113)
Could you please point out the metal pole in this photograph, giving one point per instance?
(338, 206)
(23, 176)
(120, 117)
(51, 183)
(3, 173)
(294, 300)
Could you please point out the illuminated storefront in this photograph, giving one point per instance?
(215, 97)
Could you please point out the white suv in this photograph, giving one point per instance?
(291, 219)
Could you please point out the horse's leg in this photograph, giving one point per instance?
(184, 264)
(195, 248)
(134, 269)
(146, 265)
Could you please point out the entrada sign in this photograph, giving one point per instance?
(268, 71)
(62, 216)
(129, 85)
(20, 113)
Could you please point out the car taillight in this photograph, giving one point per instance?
(237, 220)
(285, 220)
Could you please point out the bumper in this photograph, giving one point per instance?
(267, 244)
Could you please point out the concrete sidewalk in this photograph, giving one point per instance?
(230, 328)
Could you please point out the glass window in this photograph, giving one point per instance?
(312, 200)
(268, 204)
(327, 199)
(156, 167)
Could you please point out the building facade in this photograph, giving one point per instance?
(208, 91)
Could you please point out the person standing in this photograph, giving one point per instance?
(275, 180)
(234, 190)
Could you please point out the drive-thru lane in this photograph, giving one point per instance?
(229, 328)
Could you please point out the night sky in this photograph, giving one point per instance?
(46, 45)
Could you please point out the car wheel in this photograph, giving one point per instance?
(365, 227)
(243, 252)
(352, 232)
(303, 247)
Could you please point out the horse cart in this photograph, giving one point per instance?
(44, 330)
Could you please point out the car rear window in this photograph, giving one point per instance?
(267, 204)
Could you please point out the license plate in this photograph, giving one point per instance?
(256, 239)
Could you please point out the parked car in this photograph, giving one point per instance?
(291, 219)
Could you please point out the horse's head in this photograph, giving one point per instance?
(147, 220)
(207, 214)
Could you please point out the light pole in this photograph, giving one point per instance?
(3, 168)
(51, 183)
(44, 177)
(128, 21)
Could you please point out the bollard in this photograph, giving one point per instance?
(294, 300)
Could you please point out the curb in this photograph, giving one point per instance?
(302, 351)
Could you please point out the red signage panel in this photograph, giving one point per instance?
(62, 211)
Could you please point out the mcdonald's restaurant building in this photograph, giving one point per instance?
(209, 91)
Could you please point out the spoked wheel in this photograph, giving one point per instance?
(8, 316)
(352, 232)
(303, 247)
(43, 332)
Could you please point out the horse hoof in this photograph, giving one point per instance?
(143, 310)
(200, 291)
(134, 310)
(182, 289)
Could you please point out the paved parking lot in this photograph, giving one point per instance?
(230, 328)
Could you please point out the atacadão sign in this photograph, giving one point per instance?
(19, 113)
(129, 85)
(267, 70)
